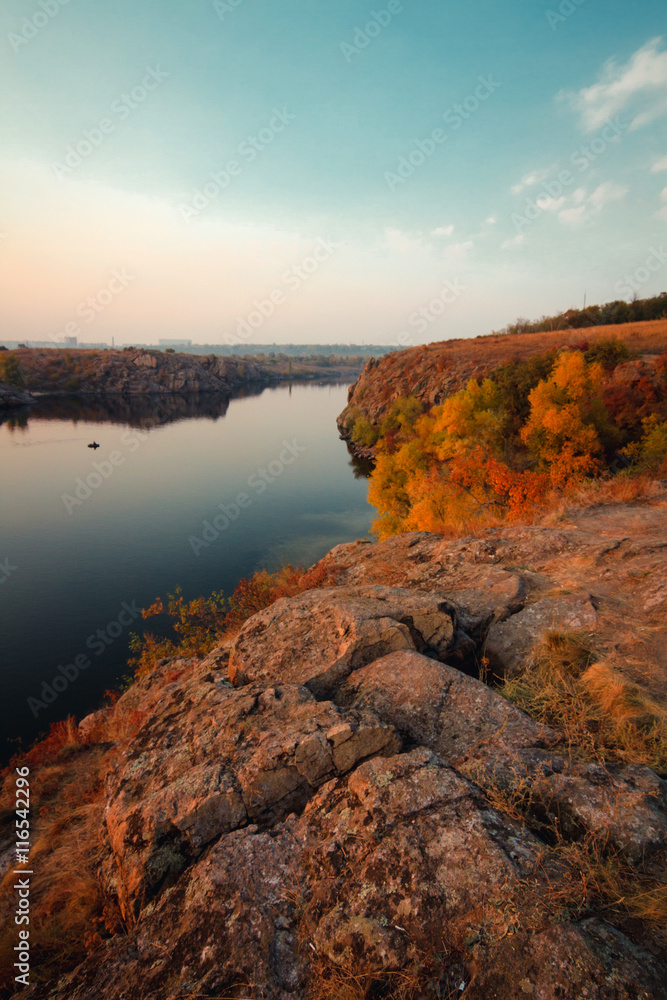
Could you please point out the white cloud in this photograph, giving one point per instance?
(457, 251)
(607, 192)
(529, 180)
(578, 195)
(491, 221)
(638, 89)
(443, 231)
(396, 239)
(659, 165)
(549, 204)
(514, 242)
(572, 216)
(662, 213)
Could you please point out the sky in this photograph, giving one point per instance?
(330, 171)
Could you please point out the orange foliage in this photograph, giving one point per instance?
(480, 456)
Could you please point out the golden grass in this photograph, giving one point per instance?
(69, 914)
(601, 714)
(432, 977)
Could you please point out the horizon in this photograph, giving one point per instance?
(392, 174)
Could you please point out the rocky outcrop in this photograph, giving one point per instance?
(12, 397)
(329, 799)
(137, 372)
(147, 372)
(337, 631)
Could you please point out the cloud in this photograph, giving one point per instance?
(662, 213)
(579, 195)
(638, 88)
(549, 204)
(514, 242)
(605, 193)
(491, 221)
(659, 165)
(572, 216)
(457, 251)
(396, 239)
(528, 180)
(443, 231)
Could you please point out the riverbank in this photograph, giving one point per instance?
(134, 371)
(288, 803)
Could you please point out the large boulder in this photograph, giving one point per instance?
(439, 707)
(320, 637)
(209, 759)
(496, 745)
(509, 643)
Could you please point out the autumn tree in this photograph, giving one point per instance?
(568, 424)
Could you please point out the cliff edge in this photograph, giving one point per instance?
(332, 803)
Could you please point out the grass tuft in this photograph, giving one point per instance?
(600, 713)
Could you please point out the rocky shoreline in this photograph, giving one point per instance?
(333, 797)
(152, 372)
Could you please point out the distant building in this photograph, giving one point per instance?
(71, 341)
(174, 343)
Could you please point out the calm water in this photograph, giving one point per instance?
(86, 536)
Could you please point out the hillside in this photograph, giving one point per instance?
(326, 801)
(433, 372)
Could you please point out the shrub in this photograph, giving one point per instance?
(609, 353)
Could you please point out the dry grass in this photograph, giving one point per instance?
(68, 913)
(649, 337)
(434, 977)
(584, 876)
(601, 714)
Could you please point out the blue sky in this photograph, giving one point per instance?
(300, 171)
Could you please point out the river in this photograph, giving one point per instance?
(191, 492)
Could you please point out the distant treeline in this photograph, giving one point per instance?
(609, 314)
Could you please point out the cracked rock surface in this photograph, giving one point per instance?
(321, 791)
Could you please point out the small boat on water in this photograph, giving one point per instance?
(94, 444)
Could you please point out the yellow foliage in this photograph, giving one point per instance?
(566, 416)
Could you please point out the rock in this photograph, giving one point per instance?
(499, 747)
(439, 707)
(210, 759)
(320, 637)
(402, 866)
(509, 643)
(89, 724)
(263, 843)
(12, 397)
